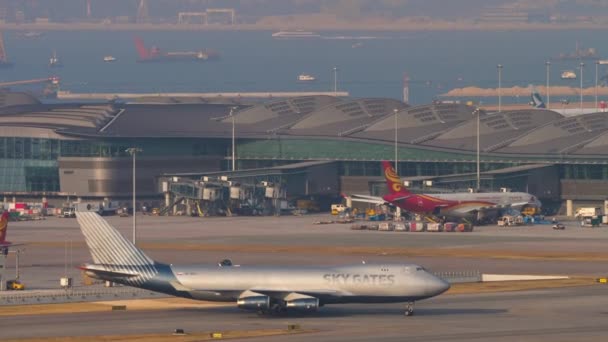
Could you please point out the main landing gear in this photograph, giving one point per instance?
(275, 309)
(409, 309)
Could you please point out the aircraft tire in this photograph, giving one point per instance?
(409, 309)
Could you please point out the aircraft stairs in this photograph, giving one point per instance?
(165, 210)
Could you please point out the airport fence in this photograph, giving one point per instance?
(460, 277)
(73, 295)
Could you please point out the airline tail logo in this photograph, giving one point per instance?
(537, 101)
(392, 179)
(3, 226)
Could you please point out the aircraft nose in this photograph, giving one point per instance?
(438, 286)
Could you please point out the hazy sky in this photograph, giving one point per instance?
(70, 9)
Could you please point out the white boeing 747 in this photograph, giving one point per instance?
(263, 289)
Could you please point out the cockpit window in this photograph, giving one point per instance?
(420, 268)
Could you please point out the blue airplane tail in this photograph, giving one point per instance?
(537, 100)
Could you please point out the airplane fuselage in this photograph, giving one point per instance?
(347, 284)
(456, 204)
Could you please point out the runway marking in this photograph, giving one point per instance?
(508, 286)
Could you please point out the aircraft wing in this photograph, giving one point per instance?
(272, 293)
(281, 294)
(484, 208)
(11, 245)
(519, 204)
(367, 199)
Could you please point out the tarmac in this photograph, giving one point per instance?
(563, 314)
(567, 314)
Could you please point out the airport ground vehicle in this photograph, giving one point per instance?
(588, 212)
(68, 212)
(509, 220)
(337, 208)
(15, 285)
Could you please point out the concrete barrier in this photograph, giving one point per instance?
(74, 295)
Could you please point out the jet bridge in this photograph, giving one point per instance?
(264, 191)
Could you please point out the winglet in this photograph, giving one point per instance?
(393, 182)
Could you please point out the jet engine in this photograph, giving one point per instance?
(257, 303)
(303, 304)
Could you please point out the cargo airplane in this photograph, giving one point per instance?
(460, 206)
(269, 289)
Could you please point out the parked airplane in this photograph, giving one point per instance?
(262, 289)
(3, 229)
(4, 245)
(464, 205)
(537, 102)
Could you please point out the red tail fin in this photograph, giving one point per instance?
(141, 48)
(3, 226)
(394, 184)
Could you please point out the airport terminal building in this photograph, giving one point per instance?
(333, 145)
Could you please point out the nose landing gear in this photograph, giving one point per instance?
(409, 309)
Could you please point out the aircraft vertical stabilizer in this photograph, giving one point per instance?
(108, 246)
(393, 182)
(536, 100)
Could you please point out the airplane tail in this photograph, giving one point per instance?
(536, 100)
(141, 48)
(3, 226)
(393, 182)
(109, 248)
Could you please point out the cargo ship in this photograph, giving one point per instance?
(295, 35)
(155, 55)
(579, 54)
(306, 78)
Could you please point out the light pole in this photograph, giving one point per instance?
(597, 66)
(478, 112)
(548, 65)
(395, 111)
(582, 65)
(233, 140)
(335, 81)
(499, 67)
(133, 151)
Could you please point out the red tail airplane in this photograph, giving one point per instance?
(3, 229)
(463, 205)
